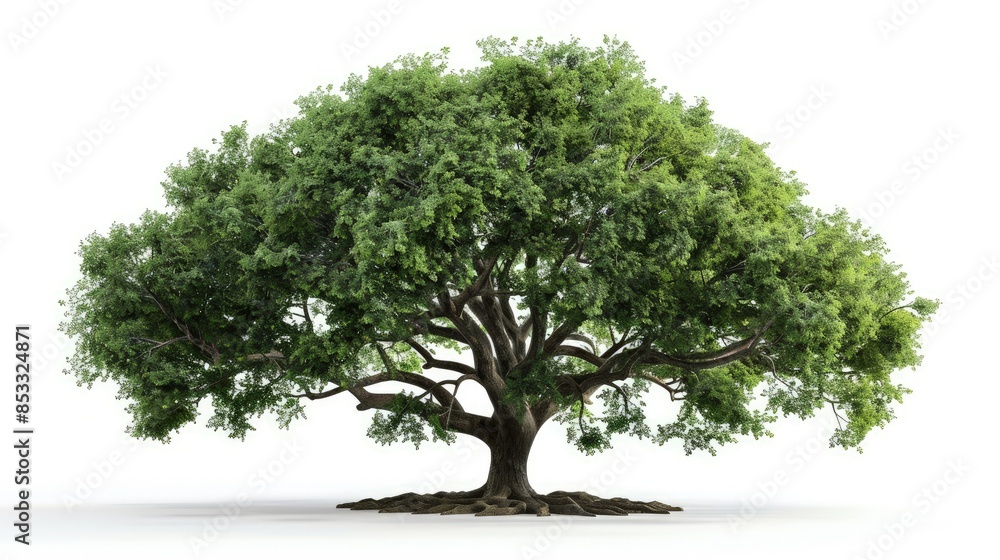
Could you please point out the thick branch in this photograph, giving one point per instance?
(538, 323)
(558, 336)
(484, 268)
(581, 353)
(705, 360)
(482, 355)
(436, 389)
(514, 331)
(524, 330)
(615, 368)
(273, 356)
(305, 313)
(453, 419)
(440, 330)
(489, 316)
(614, 348)
(431, 362)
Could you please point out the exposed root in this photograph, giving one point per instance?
(476, 503)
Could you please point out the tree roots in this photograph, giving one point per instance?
(477, 503)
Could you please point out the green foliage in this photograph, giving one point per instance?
(623, 414)
(702, 434)
(624, 410)
(582, 431)
(609, 204)
(404, 423)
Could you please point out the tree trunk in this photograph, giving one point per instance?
(509, 449)
(507, 491)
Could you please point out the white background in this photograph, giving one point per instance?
(849, 93)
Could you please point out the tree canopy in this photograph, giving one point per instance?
(564, 226)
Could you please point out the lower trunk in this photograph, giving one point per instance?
(507, 491)
(508, 475)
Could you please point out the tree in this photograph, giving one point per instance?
(551, 227)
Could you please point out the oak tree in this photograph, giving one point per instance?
(551, 230)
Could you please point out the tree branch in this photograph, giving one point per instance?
(482, 355)
(614, 348)
(581, 353)
(538, 321)
(209, 349)
(485, 268)
(722, 275)
(705, 360)
(431, 387)
(612, 371)
(667, 386)
(157, 344)
(305, 312)
(431, 362)
(489, 317)
(458, 420)
(558, 336)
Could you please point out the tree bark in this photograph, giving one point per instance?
(509, 449)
